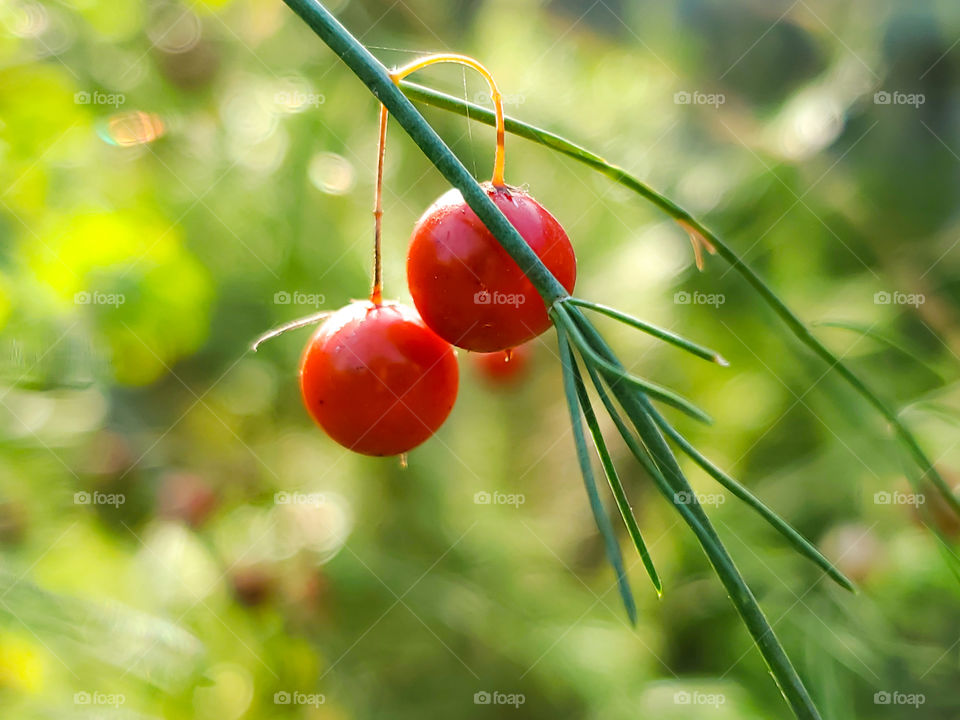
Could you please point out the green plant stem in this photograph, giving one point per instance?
(622, 177)
(377, 78)
(437, 99)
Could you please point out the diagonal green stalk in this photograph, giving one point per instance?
(798, 541)
(791, 320)
(673, 485)
(663, 394)
(616, 487)
(657, 332)
(568, 363)
(546, 138)
(881, 338)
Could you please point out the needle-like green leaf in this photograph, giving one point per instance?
(870, 332)
(623, 504)
(583, 456)
(619, 375)
(657, 332)
(800, 543)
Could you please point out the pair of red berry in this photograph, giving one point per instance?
(381, 378)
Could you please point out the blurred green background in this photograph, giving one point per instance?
(180, 541)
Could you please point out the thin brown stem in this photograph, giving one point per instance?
(376, 294)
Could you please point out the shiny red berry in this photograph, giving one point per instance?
(465, 285)
(376, 379)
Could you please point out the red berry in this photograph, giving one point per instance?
(465, 285)
(504, 368)
(185, 496)
(252, 585)
(376, 379)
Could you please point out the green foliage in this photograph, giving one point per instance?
(403, 593)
